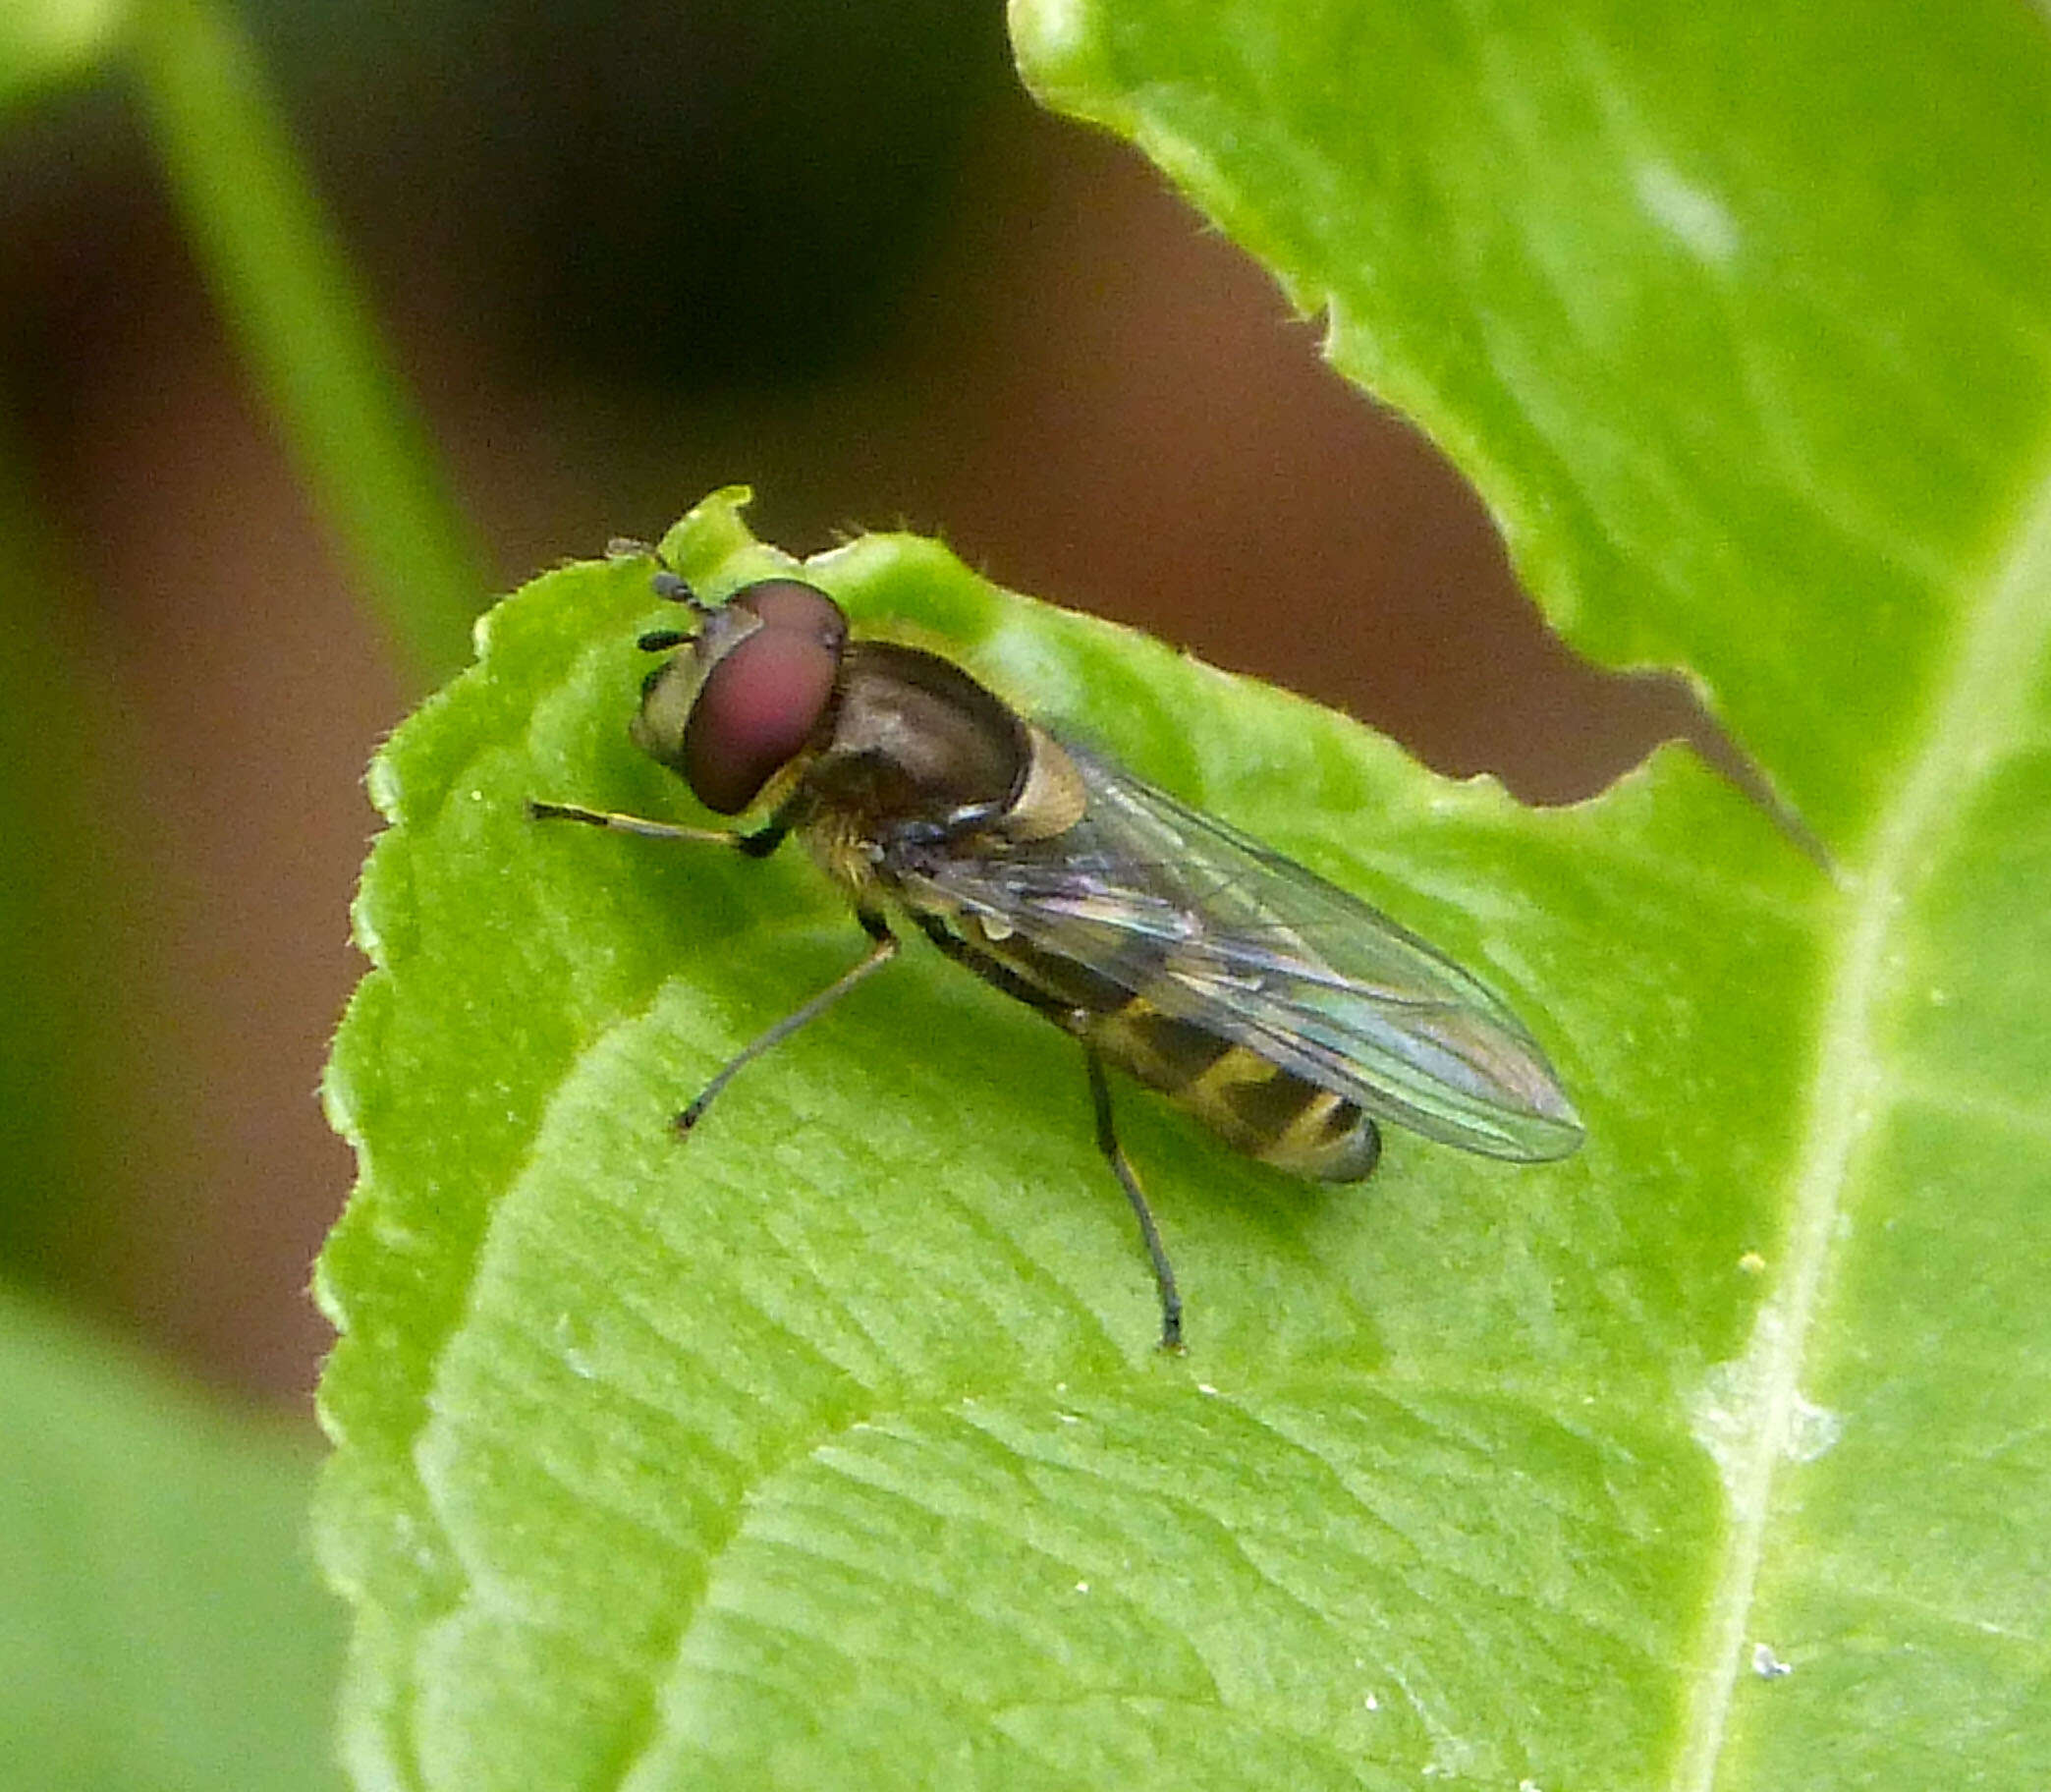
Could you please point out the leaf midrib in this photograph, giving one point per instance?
(1975, 712)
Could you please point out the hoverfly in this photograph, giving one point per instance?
(1286, 1014)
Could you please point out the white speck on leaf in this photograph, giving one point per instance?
(1691, 215)
(1811, 1430)
(573, 1340)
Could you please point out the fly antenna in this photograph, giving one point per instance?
(668, 584)
(677, 588)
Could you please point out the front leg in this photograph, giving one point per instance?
(759, 844)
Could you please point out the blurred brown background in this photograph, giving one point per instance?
(626, 252)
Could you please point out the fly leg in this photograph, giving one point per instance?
(757, 845)
(1107, 1143)
(1075, 1020)
(882, 950)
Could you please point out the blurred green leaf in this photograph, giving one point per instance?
(161, 1627)
(832, 1448)
(47, 43)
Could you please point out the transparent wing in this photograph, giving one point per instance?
(1214, 928)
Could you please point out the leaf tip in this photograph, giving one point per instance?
(1059, 46)
(711, 531)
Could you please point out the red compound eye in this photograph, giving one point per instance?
(763, 702)
(791, 605)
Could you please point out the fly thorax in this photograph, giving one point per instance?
(918, 739)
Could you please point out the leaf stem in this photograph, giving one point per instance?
(294, 306)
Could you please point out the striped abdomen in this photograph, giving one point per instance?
(1268, 1113)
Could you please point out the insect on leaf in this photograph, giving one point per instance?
(831, 1447)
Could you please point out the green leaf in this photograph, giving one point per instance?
(1738, 318)
(832, 1448)
(1734, 313)
(162, 1628)
(840, 1436)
